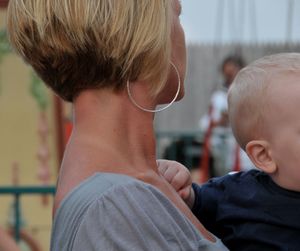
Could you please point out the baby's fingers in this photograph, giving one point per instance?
(182, 179)
(185, 193)
(162, 166)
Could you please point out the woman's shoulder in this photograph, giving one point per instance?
(91, 189)
(74, 207)
(112, 209)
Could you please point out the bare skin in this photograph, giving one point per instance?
(111, 135)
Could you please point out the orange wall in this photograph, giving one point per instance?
(19, 142)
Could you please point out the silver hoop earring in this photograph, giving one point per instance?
(162, 108)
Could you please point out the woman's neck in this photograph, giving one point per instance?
(111, 133)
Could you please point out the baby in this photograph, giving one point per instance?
(257, 209)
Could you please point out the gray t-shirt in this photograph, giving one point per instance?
(116, 212)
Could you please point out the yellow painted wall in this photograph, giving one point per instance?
(19, 142)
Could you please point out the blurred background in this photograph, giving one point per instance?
(35, 124)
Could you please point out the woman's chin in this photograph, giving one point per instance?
(181, 94)
(167, 100)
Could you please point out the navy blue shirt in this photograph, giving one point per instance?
(249, 212)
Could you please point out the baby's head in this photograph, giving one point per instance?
(264, 112)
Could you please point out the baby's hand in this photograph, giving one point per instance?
(179, 177)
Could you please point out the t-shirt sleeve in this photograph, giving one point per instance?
(135, 217)
(207, 200)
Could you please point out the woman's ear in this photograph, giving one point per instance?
(260, 154)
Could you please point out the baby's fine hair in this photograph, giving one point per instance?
(246, 95)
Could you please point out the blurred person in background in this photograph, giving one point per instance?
(227, 155)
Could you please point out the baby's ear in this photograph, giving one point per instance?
(260, 154)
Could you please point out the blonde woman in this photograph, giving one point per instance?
(115, 60)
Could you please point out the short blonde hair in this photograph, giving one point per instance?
(75, 45)
(248, 94)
